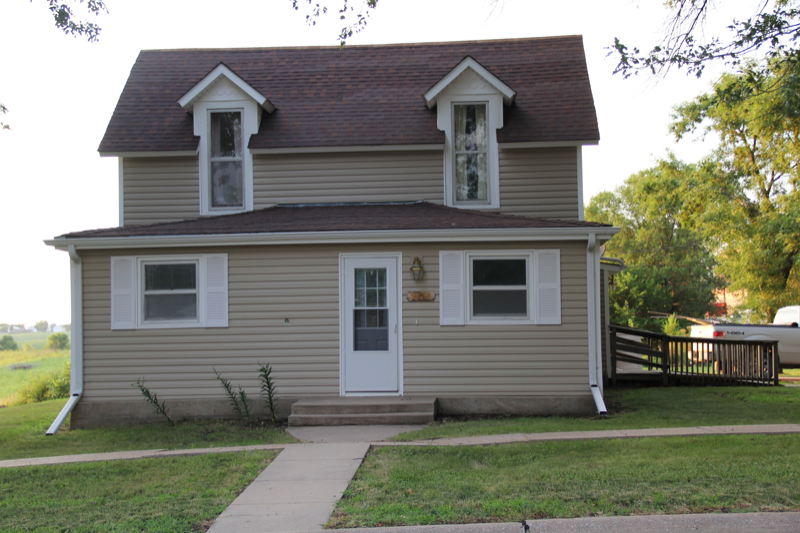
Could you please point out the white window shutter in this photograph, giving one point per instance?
(548, 287)
(451, 288)
(123, 292)
(216, 285)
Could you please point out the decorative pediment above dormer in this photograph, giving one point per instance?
(468, 77)
(222, 84)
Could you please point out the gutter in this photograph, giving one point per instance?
(335, 237)
(593, 312)
(76, 343)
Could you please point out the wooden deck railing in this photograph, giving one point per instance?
(696, 360)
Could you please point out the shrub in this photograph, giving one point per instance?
(46, 386)
(160, 407)
(27, 347)
(57, 341)
(7, 342)
(239, 400)
(268, 388)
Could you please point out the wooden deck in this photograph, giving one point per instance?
(693, 360)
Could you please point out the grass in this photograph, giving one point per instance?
(22, 434)
(644, 408)
(35, 339)
(436, 485)
(18, 367)
(167, 494)
(792, 372)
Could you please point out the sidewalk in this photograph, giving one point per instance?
(694, 523)
(375, 435)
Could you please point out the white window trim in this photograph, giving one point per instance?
(528, 255)
(446, 123)
(200, 289)
(251, 116)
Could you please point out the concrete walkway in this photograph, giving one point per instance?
(694, 523)
(375, 435)
(297, 491)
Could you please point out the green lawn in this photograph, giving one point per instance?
(20, 366)
(36, 340)
(504, 483)
(645, 408)
(22, 434)
(791, 372)
(167, 494)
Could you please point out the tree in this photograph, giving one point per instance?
(40, 326)
(4, 328)
(749, 208)
(7, 343)
(669, 269)
(66, 20)
(775, 29)
(57, 341)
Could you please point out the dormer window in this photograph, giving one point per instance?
(227, 111)
(226, 161)
(471, 153)
(469, 102)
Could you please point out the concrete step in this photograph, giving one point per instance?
(364, 405)
(361, 419)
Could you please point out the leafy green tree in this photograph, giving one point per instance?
(748, 209)
(41, 326)
(774, 30)
(4, 328)
(669, 268)
(7, 343)
(57, 341)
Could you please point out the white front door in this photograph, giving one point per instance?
(370, 322)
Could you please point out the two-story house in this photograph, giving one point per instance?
(394, 221)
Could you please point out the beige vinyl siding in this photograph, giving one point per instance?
(270, 284)
(160, 189)
(348, 177)
(539, 182)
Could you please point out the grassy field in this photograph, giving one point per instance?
(20, 366)
(504, 483)
(22, 434)
(645, 408)
(36, 340)
(163, 495)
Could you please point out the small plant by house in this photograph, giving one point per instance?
(160, 407)
(238, 398)
(268, 388)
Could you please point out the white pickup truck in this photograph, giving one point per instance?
(784, 329)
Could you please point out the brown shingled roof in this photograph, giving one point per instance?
(358, 95)
(338, 217)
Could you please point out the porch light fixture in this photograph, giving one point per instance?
(416, 269)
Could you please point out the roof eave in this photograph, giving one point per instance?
(335, 237)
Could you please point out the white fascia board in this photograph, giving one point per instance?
(345, 149)
(176, 153)
(545, 144)
(433, 93)
(187, 100)
(337, 237)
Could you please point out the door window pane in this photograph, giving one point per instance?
(370, 313)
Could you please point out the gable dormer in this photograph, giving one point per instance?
(226, 111)
(469, 102)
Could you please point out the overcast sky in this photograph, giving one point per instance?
(61, 92)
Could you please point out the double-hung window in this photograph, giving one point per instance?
(226, 160)
(471, 157)
(499, 287)
(175, 291)
(170, 292)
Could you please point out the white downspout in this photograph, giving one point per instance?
(592, 310)
(76, 342)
